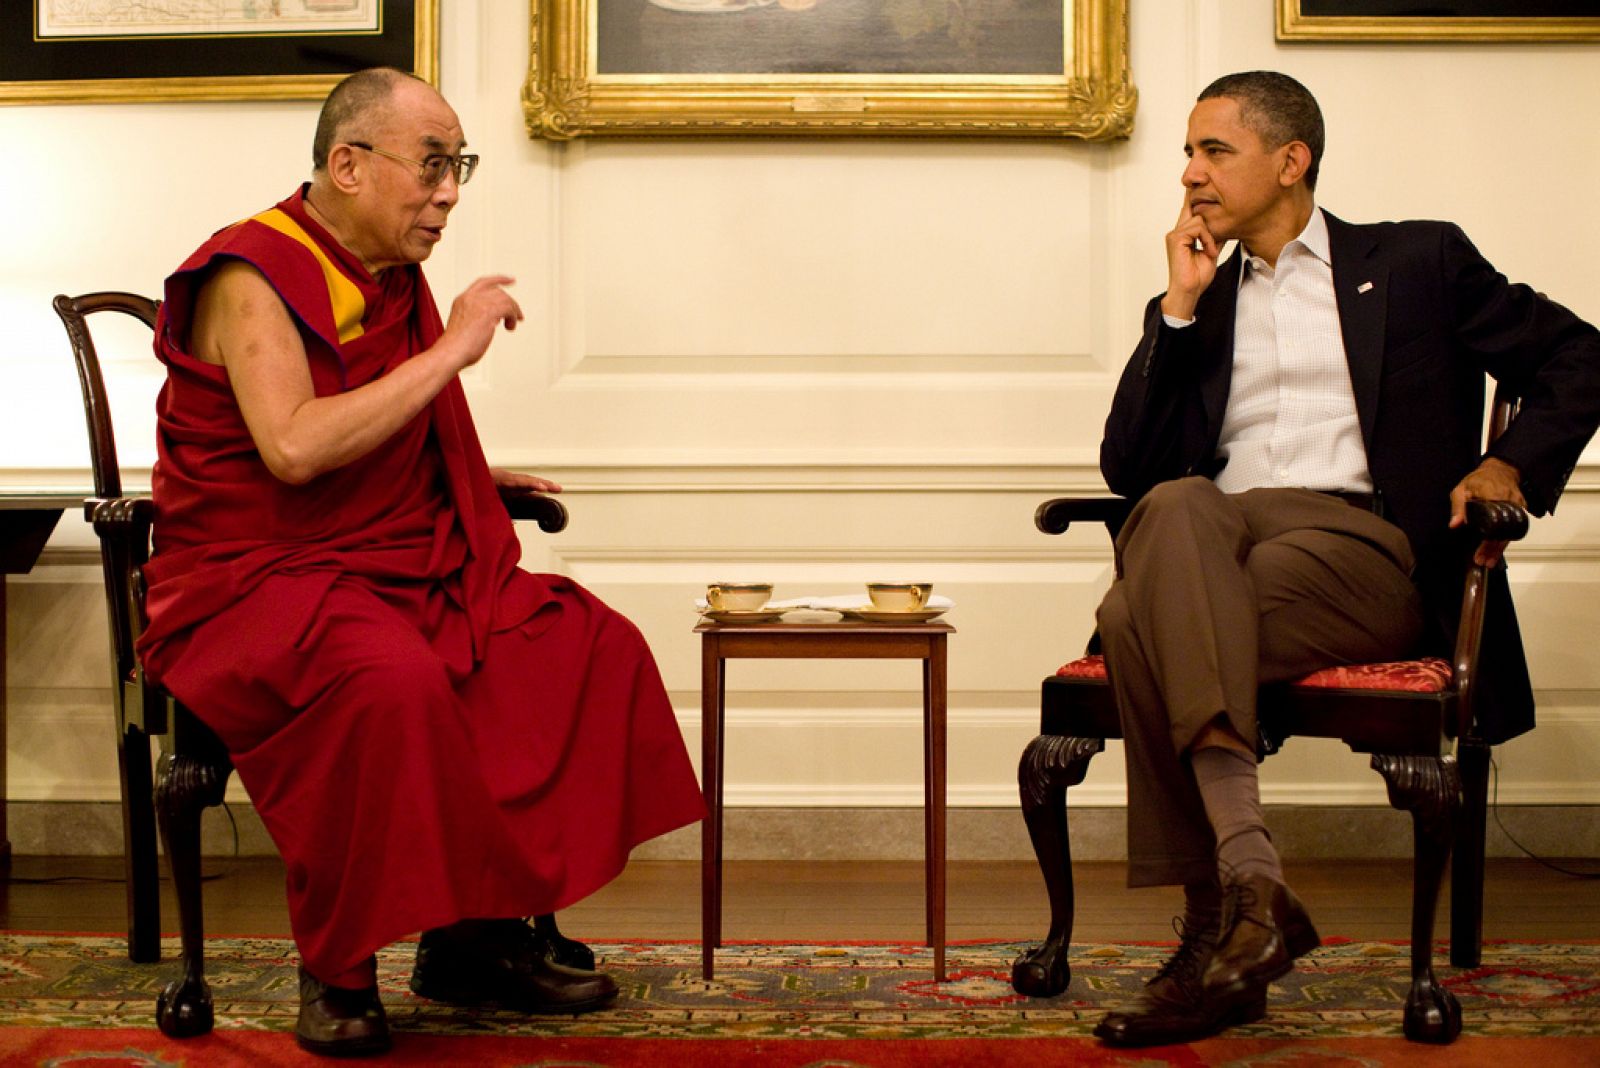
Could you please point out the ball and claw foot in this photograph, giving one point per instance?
(1432, 1014)
(184, 1010)
(1042, 971)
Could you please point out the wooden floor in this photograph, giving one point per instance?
(844, 900)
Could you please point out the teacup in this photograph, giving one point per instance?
(738, 596)
(899, 596)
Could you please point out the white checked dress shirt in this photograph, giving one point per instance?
(1291, 416)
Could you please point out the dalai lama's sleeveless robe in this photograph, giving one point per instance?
(428, 732)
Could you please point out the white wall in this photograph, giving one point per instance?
(818, 363)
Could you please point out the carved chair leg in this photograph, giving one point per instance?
(185, 787)
(1430, 788)
(1050, 764)
(1466, 872)
(141, 864)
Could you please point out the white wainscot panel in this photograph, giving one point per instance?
(849, 749)
(806, 732)
(857, 750)
(41, 409)
(56, 633)
(700, 253)
(1558, 762)
(1012, 617)
(1558, 608)
(61, 745)
(61, 730)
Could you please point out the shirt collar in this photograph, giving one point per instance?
(1314, 239)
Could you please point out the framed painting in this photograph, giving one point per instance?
(1438, 20)
(102, 51)
(998, 68)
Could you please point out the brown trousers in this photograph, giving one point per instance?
(1216, 594)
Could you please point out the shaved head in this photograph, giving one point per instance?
(354, 107)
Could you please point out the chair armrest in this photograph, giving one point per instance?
(1492, 521)
(1055, 516)
(1497, 520)
(120, 517)
(549, 513)
(123, 527)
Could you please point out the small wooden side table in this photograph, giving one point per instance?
(721, 642)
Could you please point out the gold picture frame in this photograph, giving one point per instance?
(570, 93)
(99, 68)
(1374, 20)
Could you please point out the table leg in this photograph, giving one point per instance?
(5, 837)
(934, 707)
(722, 775)
(711, 706)
(928, 847)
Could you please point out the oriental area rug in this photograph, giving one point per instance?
(68, 1000)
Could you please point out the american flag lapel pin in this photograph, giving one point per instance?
(1364, 287)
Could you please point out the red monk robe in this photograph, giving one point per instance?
(429, 733)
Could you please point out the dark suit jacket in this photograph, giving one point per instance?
(1424, 317)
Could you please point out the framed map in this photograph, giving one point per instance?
(94, 51)
(1440, 20)
(997, 68)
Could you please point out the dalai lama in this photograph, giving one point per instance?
(437, 740)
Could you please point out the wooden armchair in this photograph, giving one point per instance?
(1415, 717)
(194, 766)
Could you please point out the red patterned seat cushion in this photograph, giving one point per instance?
(1092, 666)
(1428, 675)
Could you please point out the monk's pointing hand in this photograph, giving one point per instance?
(480, 308)
(1191, 262)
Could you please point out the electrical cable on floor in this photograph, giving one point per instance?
(1494, 807)
(227, 810)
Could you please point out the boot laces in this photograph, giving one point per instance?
(1185, 965)
(1238, 903)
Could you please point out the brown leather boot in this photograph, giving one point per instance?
(1172, 1007)
(1265, 930)
(337, 1022)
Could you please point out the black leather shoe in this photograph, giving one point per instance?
(502, 963)
(558, 947)
(1265, 930)
(337, 1022)
(1172, 1008)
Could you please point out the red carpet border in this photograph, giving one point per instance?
(78, 1000)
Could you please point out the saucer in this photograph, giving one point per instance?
(743, 615)
(868, 614)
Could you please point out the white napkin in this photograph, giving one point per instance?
(851, 601)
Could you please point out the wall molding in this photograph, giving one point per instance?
(809, 469)
(762, 722)
(1098, 834)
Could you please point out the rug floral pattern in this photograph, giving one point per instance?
(835, 991)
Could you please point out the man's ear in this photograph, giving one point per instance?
(344, 168)
(1296, 161)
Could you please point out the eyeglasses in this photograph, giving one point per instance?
(432, 169)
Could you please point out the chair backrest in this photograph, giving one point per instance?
(1506, 405)
(74, 313)
(123, 524)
